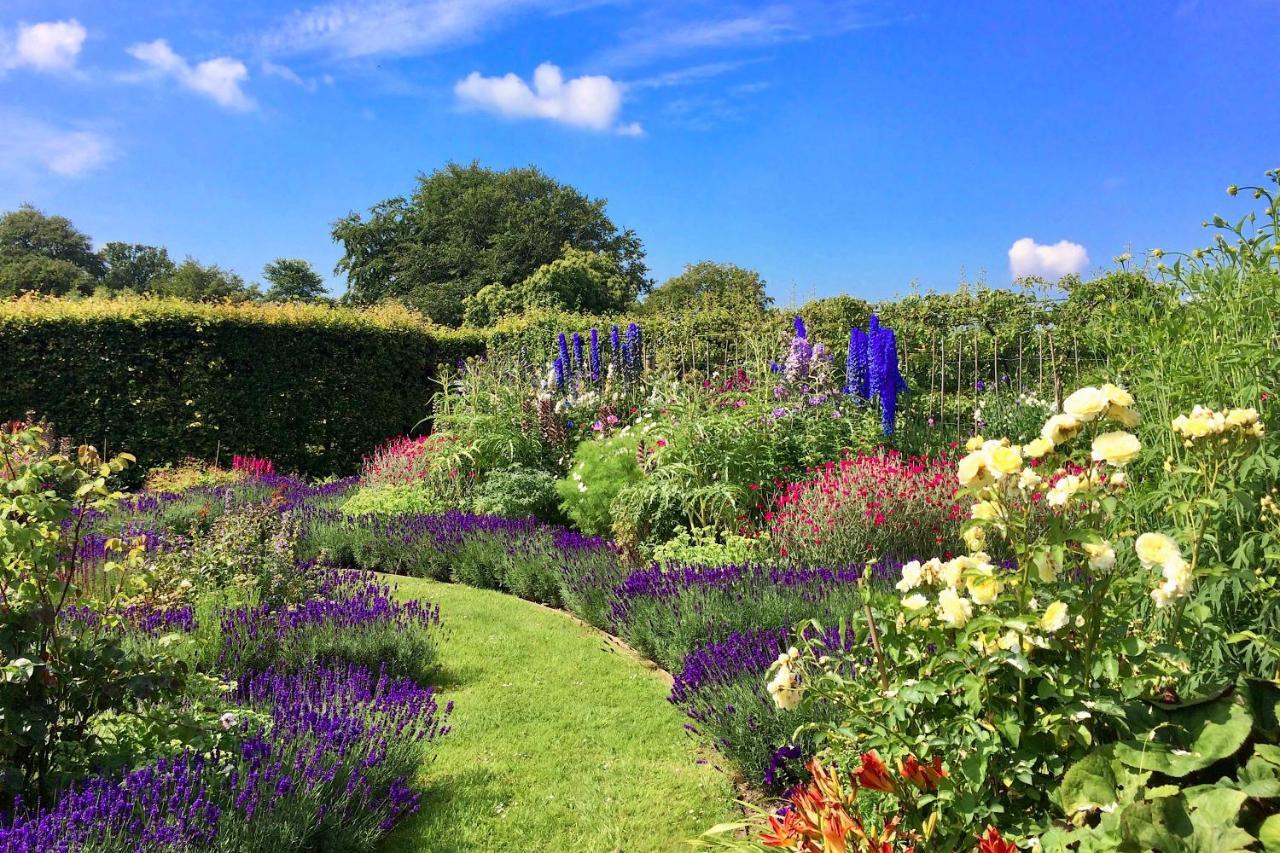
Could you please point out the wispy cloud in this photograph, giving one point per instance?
(363, 28)
(219, 79)
(685, 76)
(284, 72)
(46, 46)
(30, 146)
(590, 101)
(1029, 258)
(664, 33)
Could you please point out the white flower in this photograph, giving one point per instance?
(1101, 556)
(911, 574)
(915, 602)
(785, 688)
(227, 720)
(1086, 404)
(953, 609)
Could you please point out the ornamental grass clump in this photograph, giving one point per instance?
(866, 507)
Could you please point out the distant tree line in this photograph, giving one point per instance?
(46, 254)
(468, 246)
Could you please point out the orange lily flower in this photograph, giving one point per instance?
(923, 776)
(874, 775)
(782, 833)
(992, 841)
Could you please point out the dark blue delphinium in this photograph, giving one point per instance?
(800, 329)
(857, 377)
(558, 367)
(563, 343)
(578, 362)
(595, 357)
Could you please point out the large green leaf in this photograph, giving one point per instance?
(1269, 834)
(1089, 784)
(1189, 739)
(1161, 824)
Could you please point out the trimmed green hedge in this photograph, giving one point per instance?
(312, 388)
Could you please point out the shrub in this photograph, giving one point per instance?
(600, 470)
(866, 507)
(702, 546)
(308, 386)
(391, 500)
(518, 492)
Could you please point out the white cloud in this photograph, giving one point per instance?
(219, 78)
(1027, 257)
(47, 46)
(30, 145)
(284, 72)
(359, 28)
(590, 101)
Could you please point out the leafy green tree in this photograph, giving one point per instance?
(709, 283)
(466, 227)
(45, 254)
(197, 282)
(134, 266)
(583, 282)
(292, 280)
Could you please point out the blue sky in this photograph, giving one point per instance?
(835, 146)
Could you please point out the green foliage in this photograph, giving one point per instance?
(466, 227)
(59, 675)
(707, 284)
(518, 492)
(292, 279)
(196, 282)
(1184, 781)
(396, 499)
(135, 267)
(45, 254)
(600, 470)
(702, 546)
(580, 281)
(309, 387)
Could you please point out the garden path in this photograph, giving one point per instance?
(561, 741)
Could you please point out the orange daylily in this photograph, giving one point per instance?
(923, 776)
(782, 833)
(874, 775)
(992, 841)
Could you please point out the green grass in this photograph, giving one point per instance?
(560, 740)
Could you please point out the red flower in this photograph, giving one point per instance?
(873, 774)
(992, 841)
(923, 776)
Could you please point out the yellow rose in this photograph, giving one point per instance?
(1086, 404)
(1122, 416)
(984, 511)
(1060, 428)
(785, 689)
(974, 538)
(972, 469)
(973, 443)
(1003, 460)
(1156, 549)
(952, 572)
(1241, 418)
(1116, 448)
(953, 609)
(983, 585)
(1116, 396)
(1038, 447)
(1054, 618)
(1047, 566)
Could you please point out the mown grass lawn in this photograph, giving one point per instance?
(560, 741)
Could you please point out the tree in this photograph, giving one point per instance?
(466, 227)
(581, 281)
(708, 283)
(197, 282)
(134, 266)
(292, 279)
(45, 254)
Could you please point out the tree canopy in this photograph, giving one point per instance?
(707, 284)
(45, 254)
(134, 266)
(199, 282)
(581, 281)
(292, 280)
(466, 227)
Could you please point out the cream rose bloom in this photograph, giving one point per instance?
(983, 584)
(953, 609)
(951, 572)
(1156, 549)
(1177, 581)
(1086, 404)
(1037, 447)
(911, 575)
(1116, 395)
(1116, 448)
(1101, 555)
(785, 689)
(972, 469)
(1047, 566)
(984, 511)
(1054, 618)
(915, 602)
(1060, 428)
